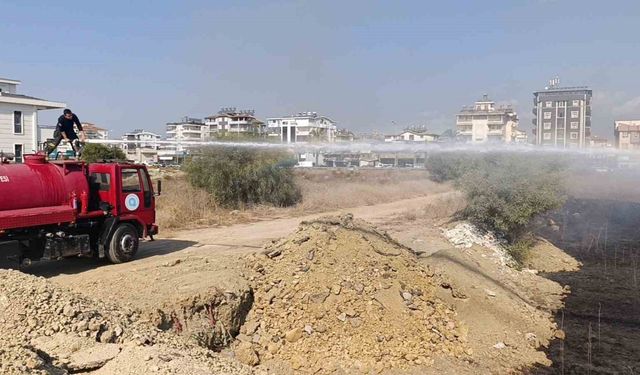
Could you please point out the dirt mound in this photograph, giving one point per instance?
(341, 295)
(48, 329)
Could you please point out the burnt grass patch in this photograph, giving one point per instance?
(601, 317)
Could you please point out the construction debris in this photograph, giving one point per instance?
(465, 235)
(341, 295)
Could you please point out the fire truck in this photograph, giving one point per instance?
(51, 210)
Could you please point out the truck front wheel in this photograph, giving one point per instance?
(124, 244)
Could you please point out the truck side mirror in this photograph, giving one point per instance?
(159, 189)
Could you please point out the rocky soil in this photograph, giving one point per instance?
(50, 330)
(340, 295)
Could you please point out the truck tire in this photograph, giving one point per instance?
(124, 244)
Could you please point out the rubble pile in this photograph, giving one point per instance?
(465, 235)
(47, 329)
(341, 295)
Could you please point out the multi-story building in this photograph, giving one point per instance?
(303, 127)
(483, 122)
(188, 129)
(19, 132)
(232, 121)
(344, 135)
(411, 136)
(141, 146)
(563, 116)
(91, 131)
(627, 134)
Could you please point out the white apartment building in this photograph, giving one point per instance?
(188, 129)
(484, 122)
(303, 127)
(141, 146)
(92, 131)
(411, 136)
(19, 132)
(627, 134)
(232, 121)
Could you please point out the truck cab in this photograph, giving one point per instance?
(126, 191)
(127, 188)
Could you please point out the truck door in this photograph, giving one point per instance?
(137, 196)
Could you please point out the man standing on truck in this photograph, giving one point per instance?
(65, 130)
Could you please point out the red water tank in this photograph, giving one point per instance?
(38, 183)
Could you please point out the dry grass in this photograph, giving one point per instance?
(438, 211)
(328, 190)
(182, 206)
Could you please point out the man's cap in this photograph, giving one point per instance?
(67, 111)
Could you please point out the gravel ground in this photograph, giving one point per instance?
(50, 330)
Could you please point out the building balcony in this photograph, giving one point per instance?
(189, 139)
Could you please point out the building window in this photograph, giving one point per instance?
(547, 136)
(560, 103)
(547, 125)
(575, 114)
(548, 104)
(574, 135)
(560, 113)
(576, 103)
(17, 122)
(547, 115)
(17, 153)
(624, 134)
(575, 125)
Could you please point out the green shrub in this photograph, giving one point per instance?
(519, 250)
(238, 176)
(509, 190)
(450, 166)
(504, 191)
(96, 152)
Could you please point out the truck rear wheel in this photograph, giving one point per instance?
(124, 244)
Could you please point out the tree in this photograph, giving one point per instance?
(94, 152)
